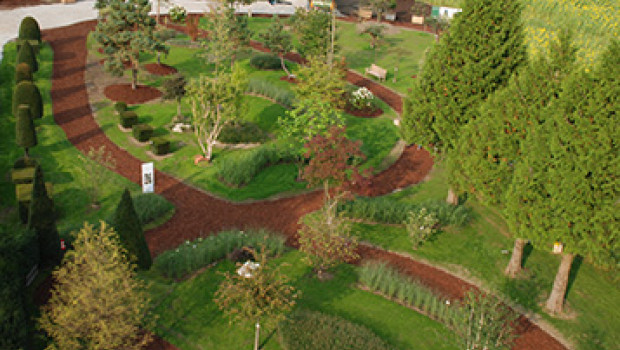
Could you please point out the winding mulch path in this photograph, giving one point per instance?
(199, 214)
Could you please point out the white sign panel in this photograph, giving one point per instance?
(148, 178)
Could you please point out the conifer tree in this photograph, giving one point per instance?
(24, 130)
(129, 229)
(475, 58)
(42, 221)
(29, 29)
(125, 29)
(26, 55)
(22, 72)
(28, 93)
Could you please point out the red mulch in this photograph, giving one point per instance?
(289, 79)
(363, 113)
(124, 93)
(198, 213)
(160, 69)
(11, 4)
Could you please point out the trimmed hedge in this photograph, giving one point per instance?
(161, 145)
(29, 29)
(191, 256)
(311, 330)
(36, 46)
(26, 55)
(120, 107)
(265, 61)
(142, 132)
(128, 119)
(263, 87)
(22, 175)
(28, 93)
(25, 135)
(23, 73)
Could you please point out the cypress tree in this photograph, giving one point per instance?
(129, 229)
(24, 129)
(29, 29)
(23, 72)
(42, 221)
(26, 55)
(28, 93)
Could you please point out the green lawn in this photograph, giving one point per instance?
(55, 153)
(476, 251)
(189, 318)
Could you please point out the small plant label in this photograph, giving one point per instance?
(148, 178)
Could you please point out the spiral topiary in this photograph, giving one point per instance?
(26, 55)
(22, 72)
(29, 29)
(27, 93)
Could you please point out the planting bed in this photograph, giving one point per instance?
(197, 212)
(124, 92)
(160, 69)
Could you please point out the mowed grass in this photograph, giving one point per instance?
(188, 317)
(476, 252)
(57, 156)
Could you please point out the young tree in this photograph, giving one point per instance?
(125, 29)
(130, 233)
(42, 220)
(261, 298)
(97, 303)
(277, 40)
(174, 89)
(216, 101)
(313, 32)
(97, 165)
(318, 80)
(24, 130)
(461, 71)
(376, 32)
(229, 35)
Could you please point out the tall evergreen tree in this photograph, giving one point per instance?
(28, 93)
(25, 135)
(26, 55)
(475, 58)
(125, 29)
(490, 145)
(129, 229)
(42, 220)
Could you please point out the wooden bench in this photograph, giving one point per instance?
(377, 71)
(364, 13)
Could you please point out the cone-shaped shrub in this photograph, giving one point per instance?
(28, 93)
(129, 229)
(24, 129)
(26, 55)
(29, 29)
(23, 72)
(43, 222)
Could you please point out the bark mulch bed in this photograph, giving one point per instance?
(160, 69)
(198, 213)
(124, 93)
(363, 113)
(288, 79)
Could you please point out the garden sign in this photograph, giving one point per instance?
(148, 178)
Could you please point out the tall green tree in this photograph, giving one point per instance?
(97, 302)
(490, 146)
(24, 130)
(317, 80)
(129, 229)
(26, 55)
(174, 89)
(125, 30)
(229, 35)
(313, 30)
(42, 220)
(565, 189)
(278, 40)
(475, 58)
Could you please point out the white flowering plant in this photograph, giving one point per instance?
(421, 225)
(362, 98)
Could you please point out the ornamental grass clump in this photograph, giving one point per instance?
(239, 170)
(263, 87)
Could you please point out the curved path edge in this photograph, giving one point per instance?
(199, 214)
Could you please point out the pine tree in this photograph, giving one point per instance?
(278, 41)
(125, 29)
(97, 303)
(25, 135)
(26, 55)
(129, 229)
(42, 220)
(476, 57)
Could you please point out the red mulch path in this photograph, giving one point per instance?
(160, 69)
(198, 213)
(124, 93)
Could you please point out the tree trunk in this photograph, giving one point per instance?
(26, 152)
(158, 57)
(514, 266)
(178, 107)
(556, 299)
(452, 197)
(209, 151)
(256, 336)
(134, 80)
(288, 74)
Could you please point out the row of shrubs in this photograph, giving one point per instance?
(311, 330)
(240, 169)
(263, 87)
(141, 132)
(191, 256)
(385, 210)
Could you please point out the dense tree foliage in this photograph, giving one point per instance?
(25, 135)
(174, 89)
(129, 229)
(278, 40)
(313, 29)
(42, 220)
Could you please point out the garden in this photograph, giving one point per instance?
(277, 158)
